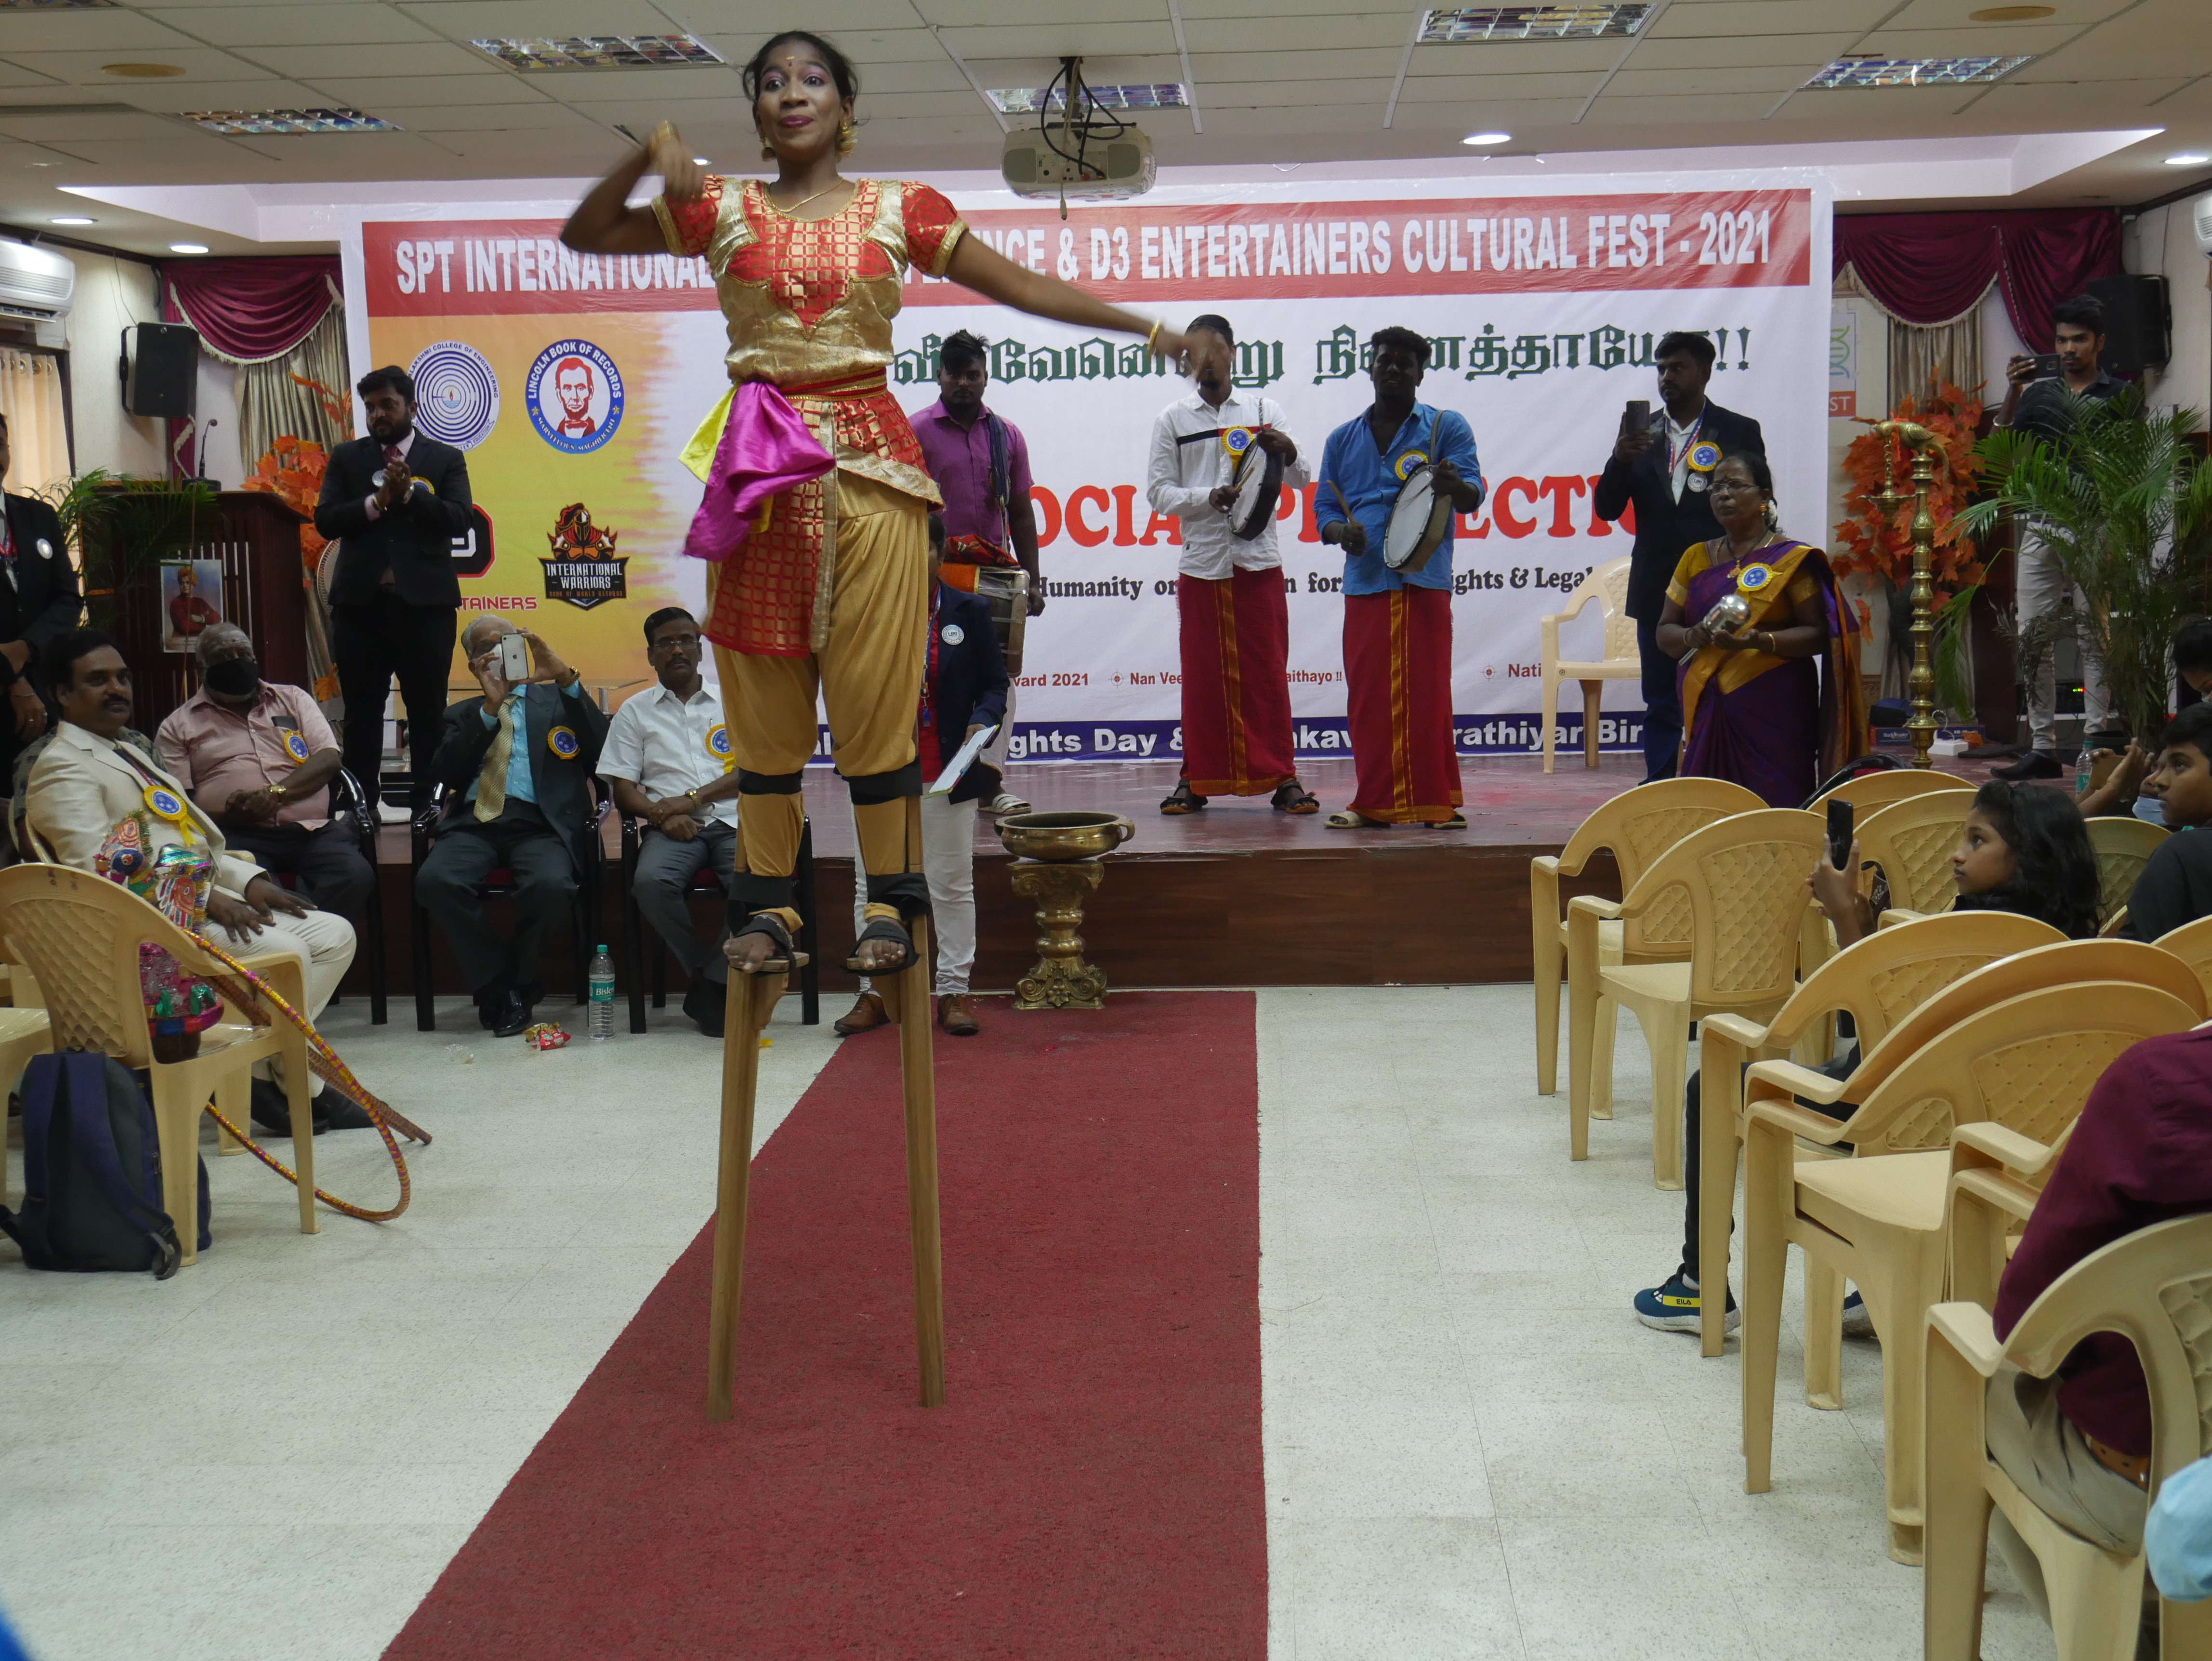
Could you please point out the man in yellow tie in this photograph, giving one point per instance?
(517, 763)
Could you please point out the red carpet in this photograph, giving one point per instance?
(1091, 1486)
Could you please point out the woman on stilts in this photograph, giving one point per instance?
(829, 587)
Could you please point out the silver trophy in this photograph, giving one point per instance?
(1730, 613)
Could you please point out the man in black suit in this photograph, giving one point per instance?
(1662, 471)
(38, 599)
(963, 690)
(518, 762)
(395, 501)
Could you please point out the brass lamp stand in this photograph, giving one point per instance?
(1921, 684)
(1058, 861)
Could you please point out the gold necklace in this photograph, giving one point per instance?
(803, 201)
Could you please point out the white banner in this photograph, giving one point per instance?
(1543, 306)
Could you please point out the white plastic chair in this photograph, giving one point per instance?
(1608, 585)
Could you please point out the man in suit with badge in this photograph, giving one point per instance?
(519, 763)
(1663, 468)
(40, 601)
(394, 501)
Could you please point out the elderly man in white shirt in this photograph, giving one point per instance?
(668, 756)
(1228, 593)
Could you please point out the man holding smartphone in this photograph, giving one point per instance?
(518, 764)
(1662, 464)
(2040, 400)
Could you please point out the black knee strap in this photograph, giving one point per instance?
(872, 787)
(907, 890)
(750, 892)
(767, 784)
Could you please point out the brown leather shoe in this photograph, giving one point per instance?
(867, 1014)
(956, 1015)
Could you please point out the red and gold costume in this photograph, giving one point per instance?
(831, 592)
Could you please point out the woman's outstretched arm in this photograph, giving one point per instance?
(975, 265)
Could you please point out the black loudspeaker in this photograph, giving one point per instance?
(161, 370)
(2138, 323)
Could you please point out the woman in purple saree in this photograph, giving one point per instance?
(1756, 709)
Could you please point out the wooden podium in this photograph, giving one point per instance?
(256, 536)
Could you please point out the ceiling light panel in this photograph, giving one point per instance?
(242, 124)
(601, 51)
(1461, 23)
(1917, 71)
(1031, 101)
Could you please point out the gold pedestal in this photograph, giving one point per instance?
(1061, 980)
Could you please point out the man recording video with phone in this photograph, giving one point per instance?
(1663, 464)
(518, 764)
(2040, 400)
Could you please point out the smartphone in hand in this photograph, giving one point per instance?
(1839, 833)
(1638, 416)
(513, 660)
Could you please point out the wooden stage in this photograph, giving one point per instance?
(1237, 896)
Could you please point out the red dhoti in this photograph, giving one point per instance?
(1397, 672)
(1236, 693)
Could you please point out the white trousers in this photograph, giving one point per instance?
(2039, 585)
(948, 859)
(323, 942)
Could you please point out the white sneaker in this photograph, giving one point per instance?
(1004, 803)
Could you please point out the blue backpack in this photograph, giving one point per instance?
(92, 1171)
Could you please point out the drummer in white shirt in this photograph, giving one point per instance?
(1229, 591)
(667, 756)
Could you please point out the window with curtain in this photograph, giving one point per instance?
(38, 421)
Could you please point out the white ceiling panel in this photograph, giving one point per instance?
(1872, 110)
(71, 130)
(2004, 40)
(876, 46)
(430, 58)
(1281, 94)
(1319, 119)
(105, 29)
(1516, 58)
(167, 97)
(1242, 34)
(1612, 111)
(604, 86)
(15, 75)
(541, 117)
(1748, 17)
(936, 73)
(2006, 104)
(467, 20)
(1310, 69)
(1038, 14)
(1773, 80)
(1959, 14)
(335, 22)
(1489, 89)
(83, 69)
(2122, 48)
(1063, 40)
(1697, 51)
(746, 19)
(1395, 22)
(368, 92)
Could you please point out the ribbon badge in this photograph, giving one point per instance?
(1753, 579)
(296, 745)
(564, 743)
(1406, 464)
(164, 803)
(1705, 456)
(1235, 439)
(717, 744)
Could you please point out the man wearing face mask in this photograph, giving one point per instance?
(259, 758)
(394, 500)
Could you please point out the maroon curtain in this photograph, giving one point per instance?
(1930, 267)
(251, 308)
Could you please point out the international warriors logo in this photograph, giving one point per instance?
(583, 568)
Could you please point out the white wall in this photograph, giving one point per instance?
(216, 400)
(2161, 241)
(112, 294)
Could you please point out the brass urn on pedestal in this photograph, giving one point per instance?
(1058, 860)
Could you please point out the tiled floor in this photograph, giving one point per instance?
(1472, 1449)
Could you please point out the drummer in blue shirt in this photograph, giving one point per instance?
(1397, 624)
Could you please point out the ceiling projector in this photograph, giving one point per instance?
(1042, 162)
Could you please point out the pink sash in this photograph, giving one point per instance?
(766, 447)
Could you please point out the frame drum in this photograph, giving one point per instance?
(1007, 589)
(1259, 484)
(1419, 520)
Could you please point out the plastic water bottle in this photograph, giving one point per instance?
(599, 1024)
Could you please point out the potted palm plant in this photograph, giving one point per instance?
(2122, 504)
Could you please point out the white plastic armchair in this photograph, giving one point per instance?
(1608, 585)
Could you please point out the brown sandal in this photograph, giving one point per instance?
(1291, 797)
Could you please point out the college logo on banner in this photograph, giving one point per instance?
(583, 570)
(456, 394)
(576, 396)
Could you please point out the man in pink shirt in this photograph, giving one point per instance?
(259, 759)
(980, 462)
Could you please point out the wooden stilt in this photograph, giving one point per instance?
(908, 1001)
(751, 1000)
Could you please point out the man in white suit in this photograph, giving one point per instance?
(90, 778)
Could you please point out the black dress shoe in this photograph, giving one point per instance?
(335, 1111)
(706, 1003)
(271, 1111)
(2035, 765)
(509, 1015)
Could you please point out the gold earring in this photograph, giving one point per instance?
(846, 139)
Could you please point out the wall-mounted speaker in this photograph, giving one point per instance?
(161, 370)
(2138, 323)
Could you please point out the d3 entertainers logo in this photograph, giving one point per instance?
(576, 396)
(583, 570)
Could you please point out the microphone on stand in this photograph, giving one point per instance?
(201, 456)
